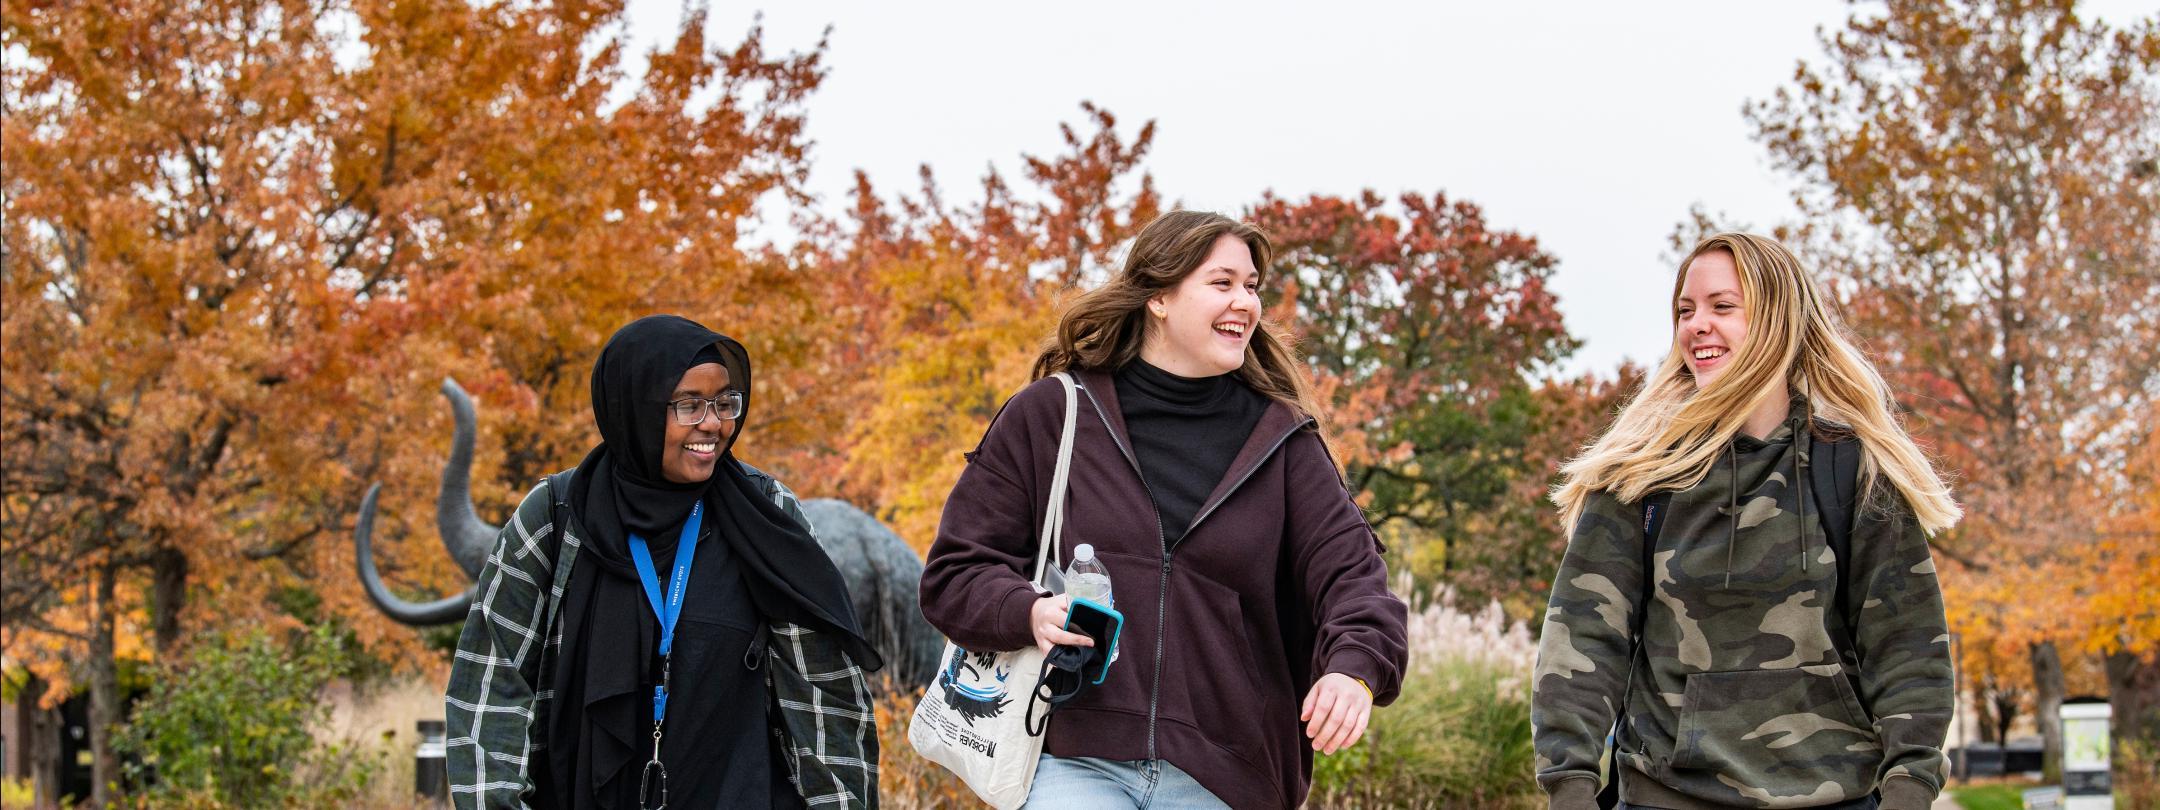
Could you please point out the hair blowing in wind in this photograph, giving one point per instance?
(1670, 433)
(1104, 327)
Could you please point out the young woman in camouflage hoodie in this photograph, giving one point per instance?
(1757, 683)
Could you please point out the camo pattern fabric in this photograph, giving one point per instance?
(1740, 699)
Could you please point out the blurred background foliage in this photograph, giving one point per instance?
(245, 239)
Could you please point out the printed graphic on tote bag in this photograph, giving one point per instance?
(974, 684)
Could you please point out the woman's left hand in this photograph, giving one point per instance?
(1336, 711)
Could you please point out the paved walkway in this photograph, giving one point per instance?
(1944, 802)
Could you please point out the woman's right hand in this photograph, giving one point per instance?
(1047, 619)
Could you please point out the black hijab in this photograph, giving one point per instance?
(601, 728)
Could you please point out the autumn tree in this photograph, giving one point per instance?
(1087, 214)
(2123, 611)
(1984, 173)
(1427, 329)
(245, 238)
(1520, 540)
(936, 307)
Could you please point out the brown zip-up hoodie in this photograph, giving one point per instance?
(1278, 581)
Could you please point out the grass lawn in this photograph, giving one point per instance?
(1990, 797)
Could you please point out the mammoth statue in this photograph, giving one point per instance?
(881, 572)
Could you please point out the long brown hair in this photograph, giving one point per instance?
(1670, 434)
(1104, 328)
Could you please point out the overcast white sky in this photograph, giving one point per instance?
(1589, 125)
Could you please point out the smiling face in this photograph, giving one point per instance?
(689, 452)
(1200, 328)
(1710, 317)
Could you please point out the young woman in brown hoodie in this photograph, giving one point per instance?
(1258, 623)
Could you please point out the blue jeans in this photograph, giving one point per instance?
(1087, 783)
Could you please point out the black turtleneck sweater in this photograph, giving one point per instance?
(1185, 432)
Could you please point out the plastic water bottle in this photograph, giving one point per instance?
(1086, 578)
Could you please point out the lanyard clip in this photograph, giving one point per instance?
(649, 788)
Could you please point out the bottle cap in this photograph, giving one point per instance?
(1083, 552)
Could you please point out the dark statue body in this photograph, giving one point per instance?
(881, 572)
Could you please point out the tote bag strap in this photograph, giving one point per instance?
(1053, 527)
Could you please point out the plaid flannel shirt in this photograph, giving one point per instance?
(499, 690)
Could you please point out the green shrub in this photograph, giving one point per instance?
(2137, 773)
(1989, 797)
(1459, 737)
(230, 727)
(1459, 734)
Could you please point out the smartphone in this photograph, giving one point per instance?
(1101, 624)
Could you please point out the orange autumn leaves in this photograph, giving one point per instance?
(1983, 177)
(247, 240)
(1390, 300)
(241, 251)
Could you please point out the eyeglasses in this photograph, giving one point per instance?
(691, 410)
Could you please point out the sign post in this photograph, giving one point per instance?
(2086, 785)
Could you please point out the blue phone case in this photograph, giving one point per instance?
(1117, 627)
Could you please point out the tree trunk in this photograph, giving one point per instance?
(2006, 706)
(104, 693)
(1984, 704)
(168, 597)
(2133, 699)
(2047, 708)
(40, 741)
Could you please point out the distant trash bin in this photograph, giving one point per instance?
(1983, 759)
(431, 773)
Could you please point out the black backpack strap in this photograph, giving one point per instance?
(1834, 477)
(1654, 508)
(558, 513)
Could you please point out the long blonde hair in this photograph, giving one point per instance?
(1104, 327)
(1669, 434)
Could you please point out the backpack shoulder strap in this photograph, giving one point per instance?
(1834, 478)
(1654, 507)
(559, 516)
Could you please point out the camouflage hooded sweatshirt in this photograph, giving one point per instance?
(1739, 699)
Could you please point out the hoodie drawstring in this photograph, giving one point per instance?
(1801, 464)
(1803, 441)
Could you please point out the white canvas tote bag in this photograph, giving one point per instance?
(970, 718)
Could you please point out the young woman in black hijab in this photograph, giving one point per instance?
(694, 641)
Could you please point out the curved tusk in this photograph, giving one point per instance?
(463, 532)
(440, 611)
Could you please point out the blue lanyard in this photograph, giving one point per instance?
(670, 609)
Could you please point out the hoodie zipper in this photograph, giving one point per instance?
(1162, 584)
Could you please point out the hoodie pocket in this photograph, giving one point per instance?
(1745, 723)
(1210, 677)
